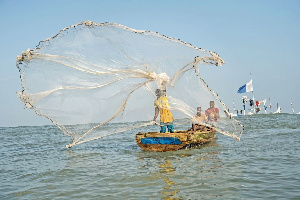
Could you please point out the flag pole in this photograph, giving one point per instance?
(253, 103)
(270, 105)
(292, 108)
(233, 106)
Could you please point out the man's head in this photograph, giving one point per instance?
(212, 104)
(199, 109)
(158, 92)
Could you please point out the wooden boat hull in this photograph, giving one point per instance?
(155, 141)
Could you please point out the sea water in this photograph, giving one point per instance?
(265, 164)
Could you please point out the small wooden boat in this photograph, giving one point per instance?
(155, 141)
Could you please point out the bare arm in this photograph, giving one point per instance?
(217, 114)
(156, 113)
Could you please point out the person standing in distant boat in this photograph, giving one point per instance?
(161, 105)
(198, 119)
(212, 113)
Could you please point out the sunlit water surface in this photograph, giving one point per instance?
(265, 164)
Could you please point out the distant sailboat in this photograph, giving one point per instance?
(294, 110)
(278, 109)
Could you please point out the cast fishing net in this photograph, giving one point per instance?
(96, 79)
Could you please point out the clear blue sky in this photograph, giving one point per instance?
(261, 37)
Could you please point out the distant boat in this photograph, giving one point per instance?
(278, 110)
(233, 114)
(155, 141)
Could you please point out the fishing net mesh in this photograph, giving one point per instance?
(96, 79)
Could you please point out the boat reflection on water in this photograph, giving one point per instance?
(166, 170)
(183, 171)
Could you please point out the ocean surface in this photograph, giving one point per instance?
(265, 164)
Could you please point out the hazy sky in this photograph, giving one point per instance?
(261, 37)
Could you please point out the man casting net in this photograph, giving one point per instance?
(96, 79)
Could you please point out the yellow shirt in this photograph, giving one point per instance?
(164, 109)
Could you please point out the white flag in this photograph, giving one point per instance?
(248, 87)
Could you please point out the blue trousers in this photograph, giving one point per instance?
(165, 126)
